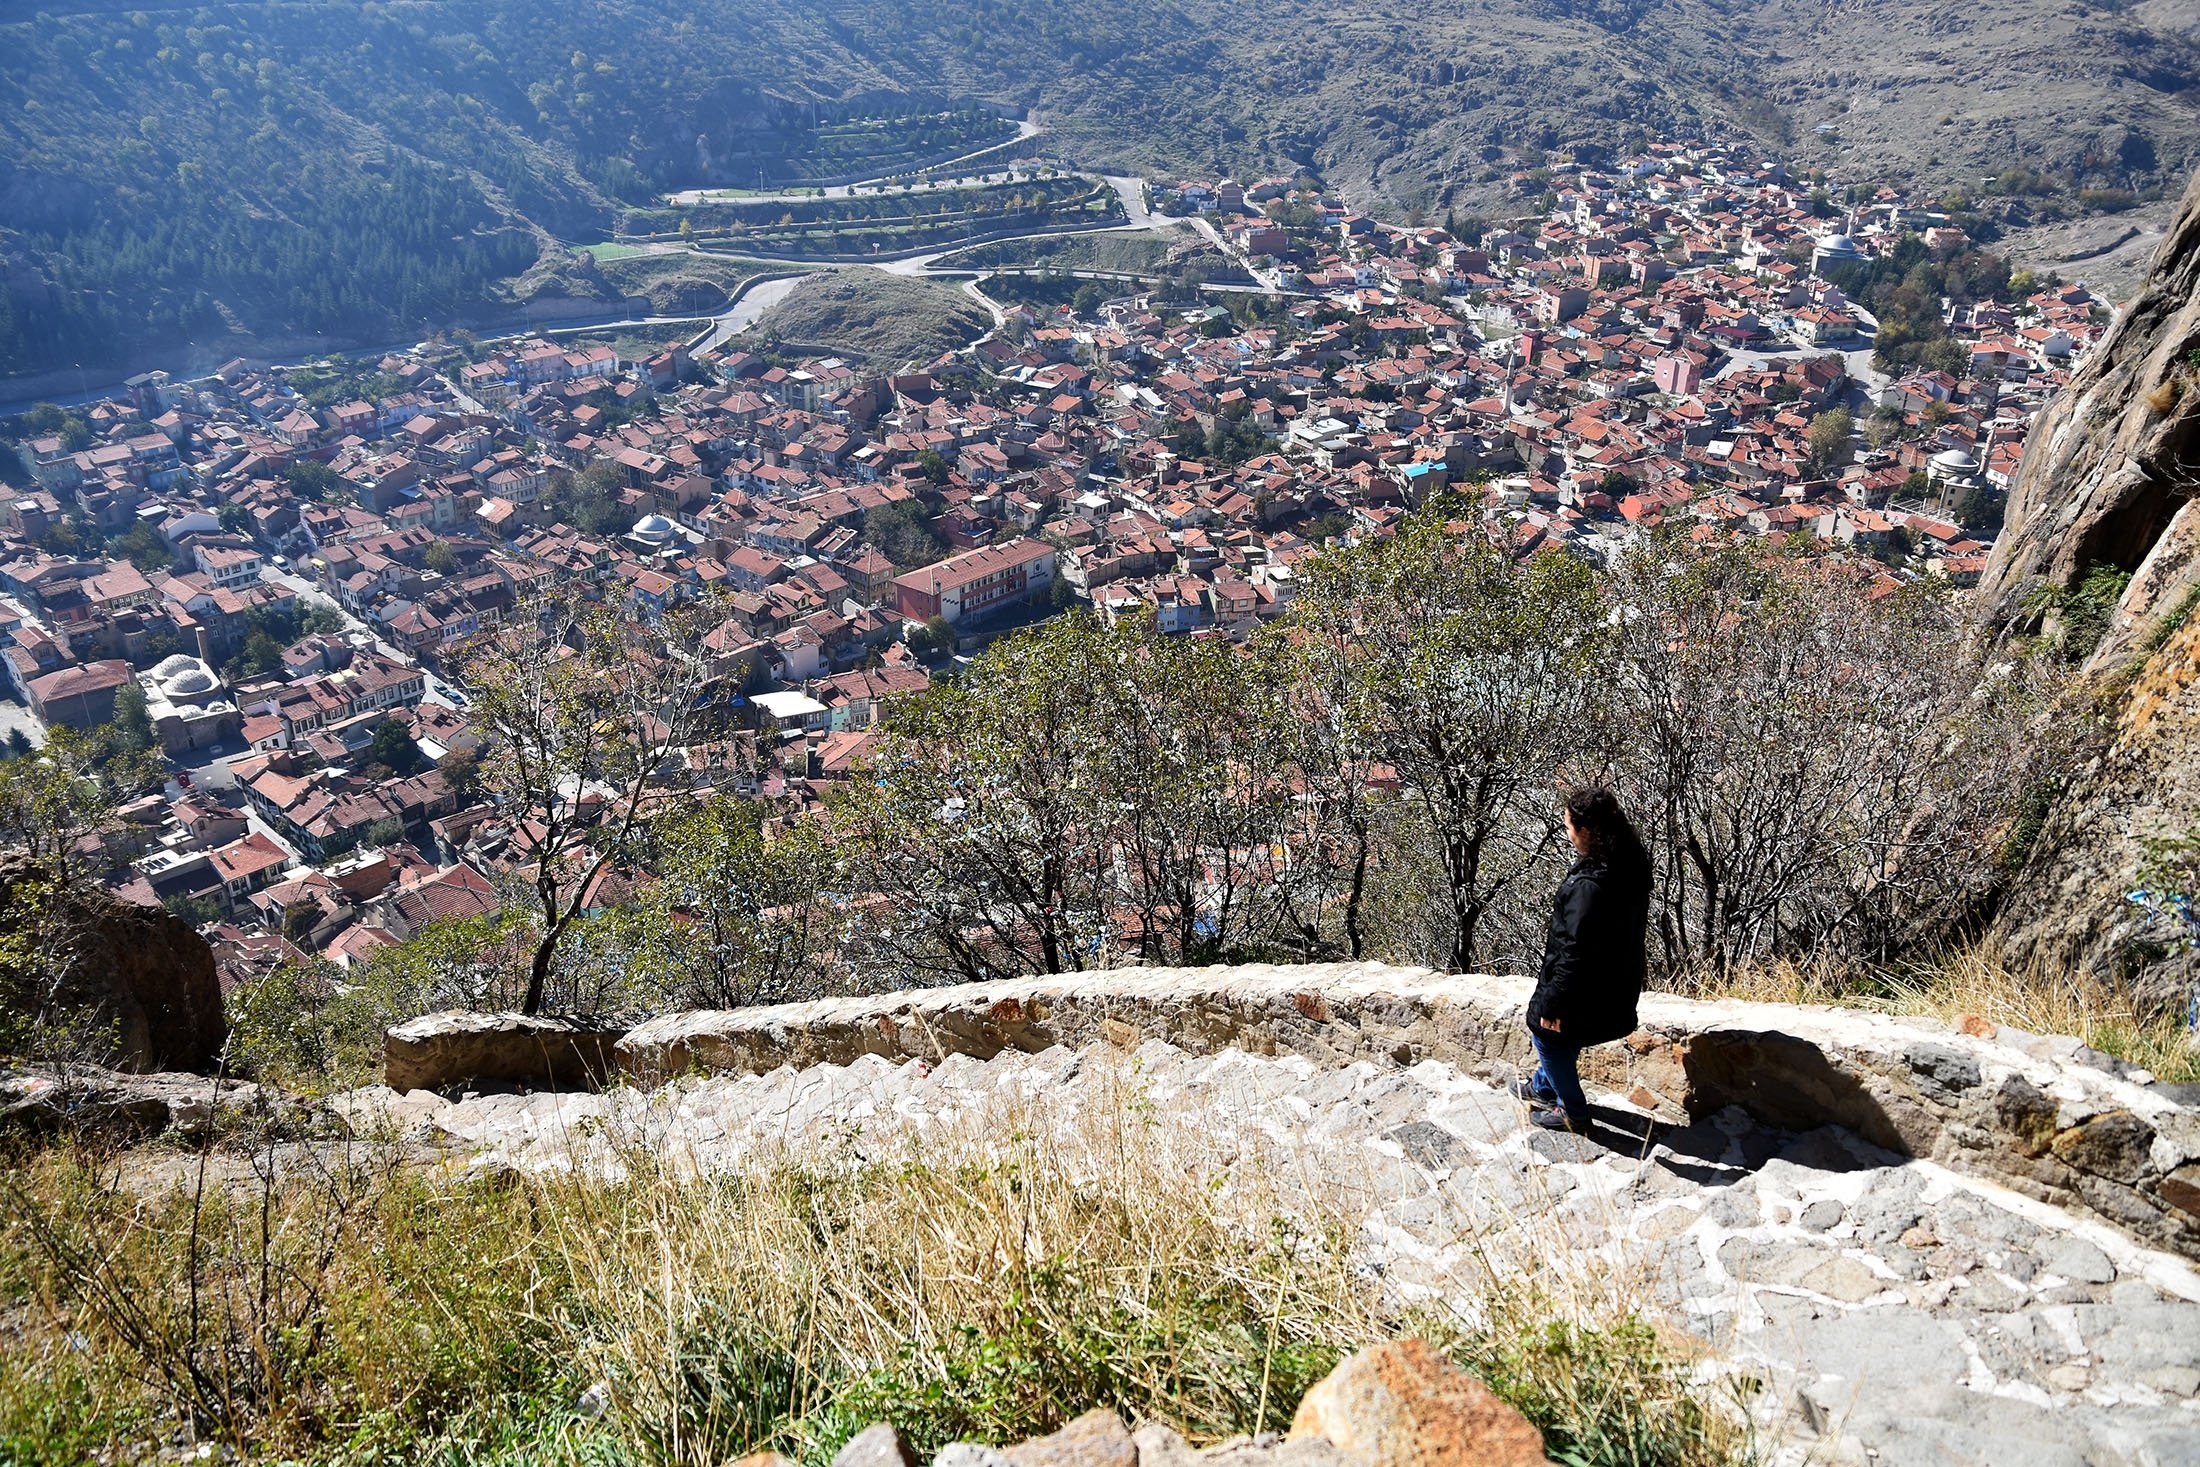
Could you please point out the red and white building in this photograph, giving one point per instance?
(976, 581)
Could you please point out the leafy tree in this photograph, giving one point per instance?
(144, 548)
(235, 518)
(312, 480)
(461, 771)
(1481, 681)
(935, 638)
(133, 722)
(383, 833)
(394, 748)
(199, 911)
(903, 533)
(591, 501)
(743, 905)
(52, 800)
(260, 654)
(440, 558)
(1828, 438)
(972, 827)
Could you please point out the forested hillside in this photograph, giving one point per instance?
(256, 174)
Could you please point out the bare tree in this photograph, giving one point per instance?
(1336, 820)
(1477, 677)
(971, 830)
(583, 715)
(758, 923)
(1805, 749)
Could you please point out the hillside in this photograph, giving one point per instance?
(885, 319)
(277, 172)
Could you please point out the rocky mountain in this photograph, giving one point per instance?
(2111, 478)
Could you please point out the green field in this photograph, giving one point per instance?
(612, 250)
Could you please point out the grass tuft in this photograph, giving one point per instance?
(2043, 1001)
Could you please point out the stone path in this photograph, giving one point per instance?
(1900, 1313)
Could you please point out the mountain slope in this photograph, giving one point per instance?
(260, 173)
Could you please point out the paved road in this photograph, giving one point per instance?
(1025, 129)
(1865, 380)
(14, 716)
(754, 302)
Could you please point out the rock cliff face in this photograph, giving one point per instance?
(2113, 465)
(2111, 476)
(137, 986)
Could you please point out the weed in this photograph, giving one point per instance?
(2037, 1000)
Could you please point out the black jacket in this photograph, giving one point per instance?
(1593, 964)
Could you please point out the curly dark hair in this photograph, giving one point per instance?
(1612, 838)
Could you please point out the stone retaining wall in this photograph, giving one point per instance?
(438, 1051)
(2040, 1115)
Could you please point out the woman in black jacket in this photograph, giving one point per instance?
(1593, 963)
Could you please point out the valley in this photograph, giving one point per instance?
(208, 182)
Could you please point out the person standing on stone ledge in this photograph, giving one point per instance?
(1593, 959)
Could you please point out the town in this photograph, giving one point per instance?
(267, 577)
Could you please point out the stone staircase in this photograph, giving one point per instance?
(1897, 1309)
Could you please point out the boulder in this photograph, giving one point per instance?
(878, 1445)
(84, 1099)
(452, 1051)
(135, 987)
(1403, 1404)
(1096, 1439)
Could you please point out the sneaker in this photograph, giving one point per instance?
(1556, 1119)
(1525, 1092)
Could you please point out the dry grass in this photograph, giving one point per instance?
(2037, 1001)
(987, 1284)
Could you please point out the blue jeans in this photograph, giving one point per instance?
(1558, 1077)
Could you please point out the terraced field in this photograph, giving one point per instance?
(884, 223)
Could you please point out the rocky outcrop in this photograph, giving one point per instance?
(129, 987)
(2110, 477)
(2112, 466)
(451, 1051)
(86, 1100)
(2036, 1114)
